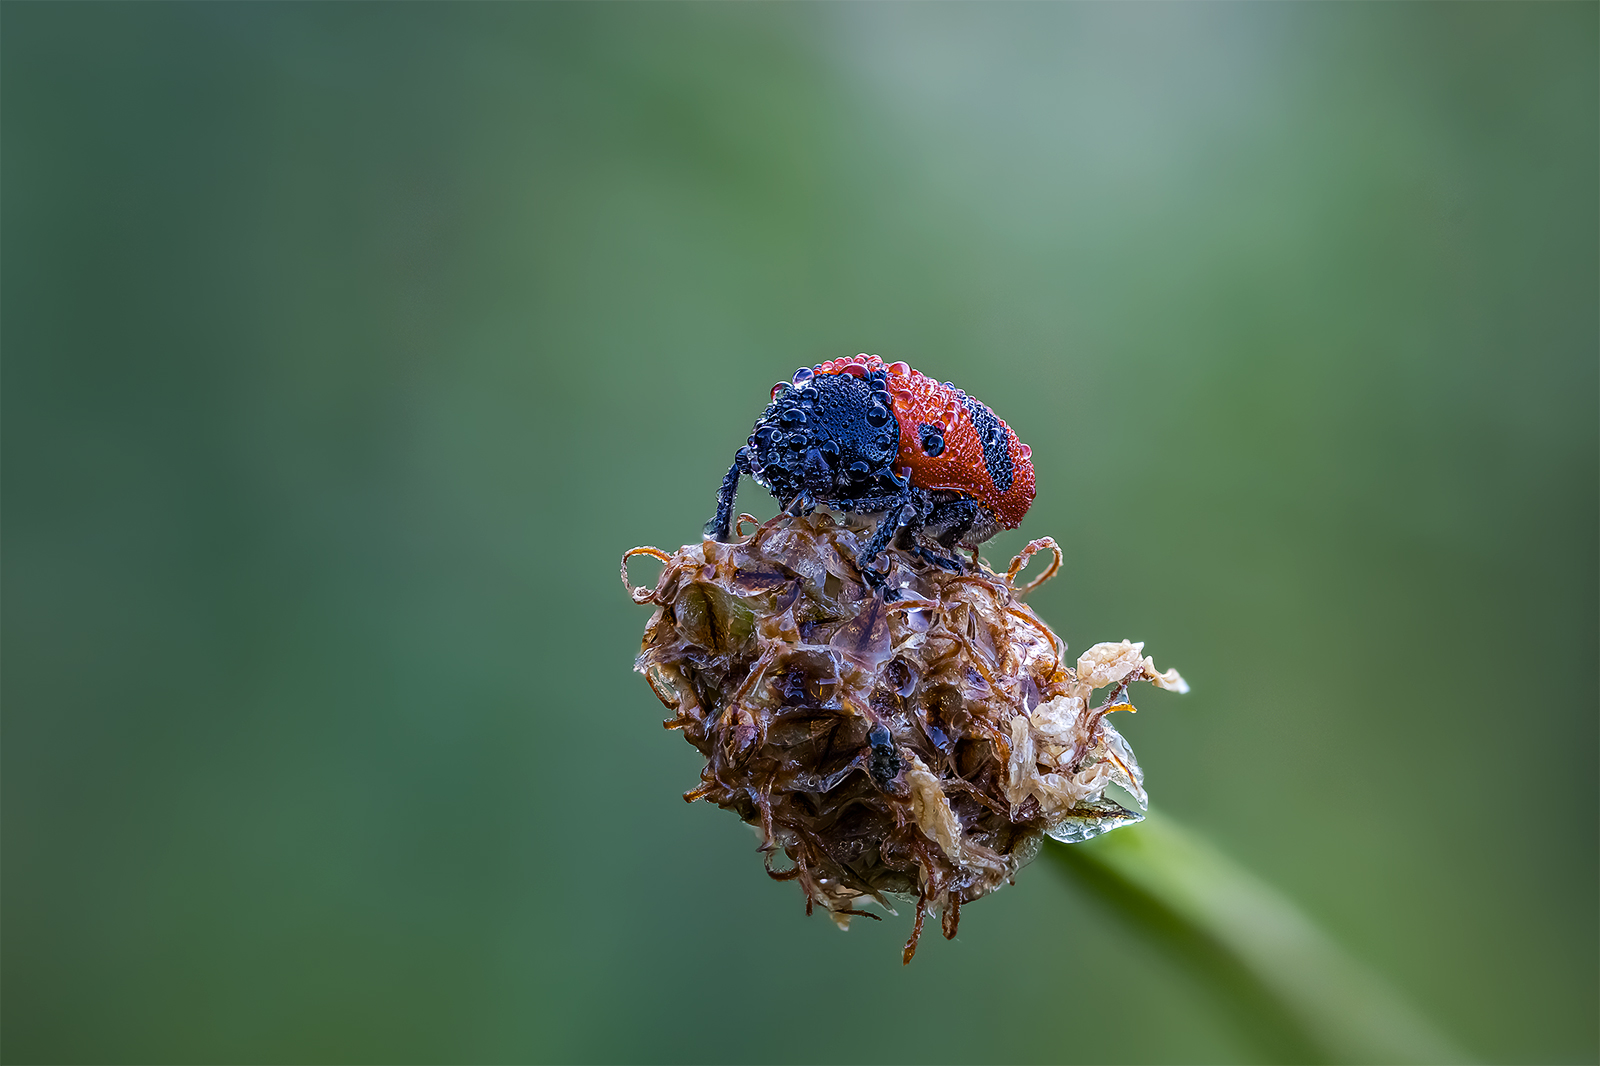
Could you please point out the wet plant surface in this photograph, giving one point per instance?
(919, 743)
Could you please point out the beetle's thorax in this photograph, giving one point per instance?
(833, 436)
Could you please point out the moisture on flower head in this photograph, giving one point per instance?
(918, 745)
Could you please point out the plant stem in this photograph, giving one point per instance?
(1297, 995)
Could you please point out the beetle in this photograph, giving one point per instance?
(865, 437)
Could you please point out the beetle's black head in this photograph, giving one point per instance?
(833, 436)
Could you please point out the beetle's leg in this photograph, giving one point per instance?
(955, 566)
(901, 511)
(878, 580)
(718, 527)
(912, 521)
(802, 504)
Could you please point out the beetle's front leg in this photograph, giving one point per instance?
(901, 510)
(719, 528)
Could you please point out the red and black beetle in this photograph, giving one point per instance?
(868, 438)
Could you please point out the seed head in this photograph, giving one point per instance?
(918, 746)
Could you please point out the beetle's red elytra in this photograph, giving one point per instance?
(866, 437)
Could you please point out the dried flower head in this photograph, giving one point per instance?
(918, 746)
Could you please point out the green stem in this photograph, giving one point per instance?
(1295, 993)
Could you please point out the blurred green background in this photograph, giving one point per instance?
(346, 347)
